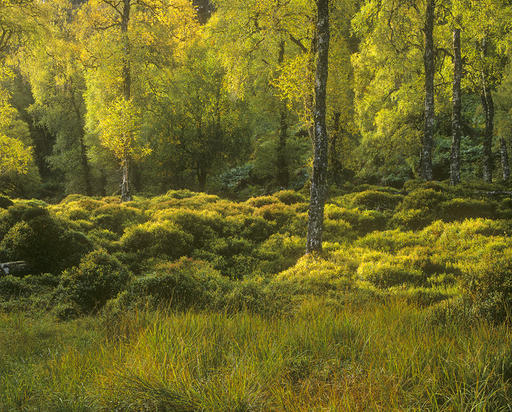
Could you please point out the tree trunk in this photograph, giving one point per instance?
(505, 165)
(83, 148)
(428, 60)
(125, 185)
(126, 71)
(283, 175)
(204, 9)
(319, 179)
(457, 110)
(335, 163)
(85, 165)
(488, 105)
(127, 85)
(201, 179)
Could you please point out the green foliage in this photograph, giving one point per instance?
(488, 285)
(44, 243)
(202, 225)
(289, 197)
(423, 199)
(116, 217)
(5, 202)
(376, 200)
(154, 239)
(182, 284)
(362, 221)
(98, 278)
(460, 209)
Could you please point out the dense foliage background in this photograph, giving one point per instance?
(218, 96)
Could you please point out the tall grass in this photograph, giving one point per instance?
(379, 357)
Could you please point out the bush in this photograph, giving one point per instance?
(98, 278)
(155, 239)
(280, 252)
(423, 199)
(338, 231)
(279, 213)
(460, 209)
(376, 200)
(116, 217)
(386, 274)
(45, 245)
(362, 221)
(202, 225)
(262, 201)
(255, 228)
(487, 285)
(5, 202)
(315, 276)
(290, 197)
(389, 240)
(411, 219)
(183, 284)
(12, 287)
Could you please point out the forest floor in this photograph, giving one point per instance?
(190, 302)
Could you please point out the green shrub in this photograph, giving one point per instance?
(280, 252)
(12, 287)
(411, 219)
(155, 239)
(116, 217)
(389, 240)
(315, 276)
(5, 202)
(255, 228)
(289, 197)
(338, 231)
(183, 284)
(45, 245)
(460, 209)
(376, 200)
(487, 285)
(98, 278)
(386, 274)
(423, 199)
(202, 225)
(362, 221)
(281, 214)
(262, 201)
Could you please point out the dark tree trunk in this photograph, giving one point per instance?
(126, 71)
(457, 110)
(127, 85)
(428, 60)
(488, 105)
(335, 163)
(204, 9)
(283, 175)
(85, 166)
(505, 165)
(319, 179)
(125, 184)
(83, 148)
(201, 177)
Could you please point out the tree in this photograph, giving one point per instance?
(429, 64)
(15, 157)
(319, 178)
(119, 130)
(128, 46)
(457, 109)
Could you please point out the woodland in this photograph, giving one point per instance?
(255, 205)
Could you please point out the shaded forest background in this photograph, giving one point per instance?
(218, 96)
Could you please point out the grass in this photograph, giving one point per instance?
(390, 356)
(387, 318)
